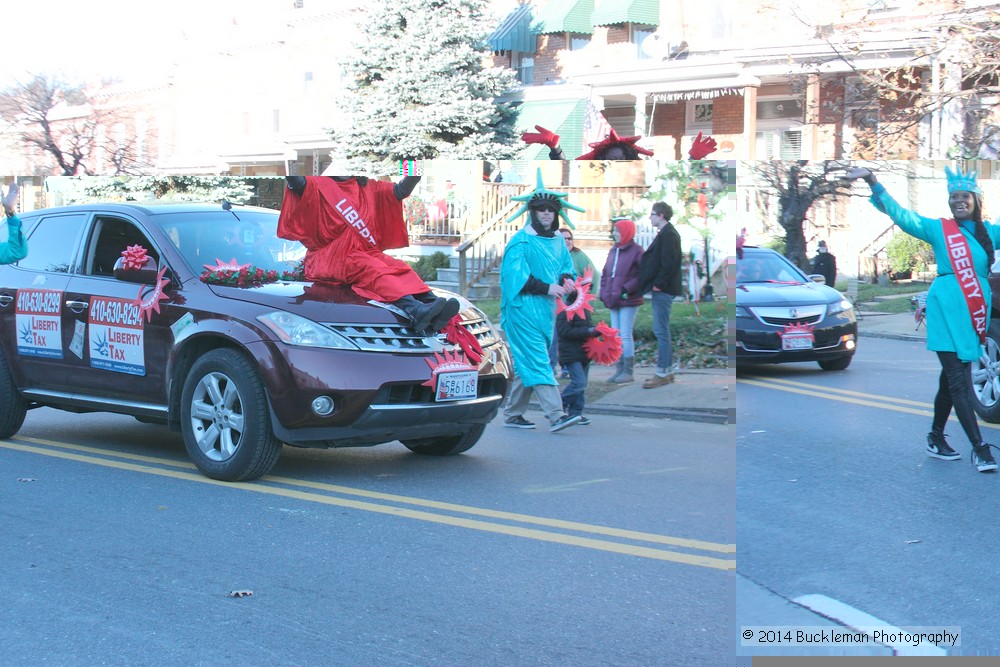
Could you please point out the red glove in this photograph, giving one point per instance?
(701, 147)
(543, 136)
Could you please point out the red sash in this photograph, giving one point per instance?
(960, 256)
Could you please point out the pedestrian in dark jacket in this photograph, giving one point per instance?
(620, 292)
(573, 332)
(825, 264)
(660, 271)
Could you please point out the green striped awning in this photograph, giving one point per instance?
(610, 12)
(564, 117)
(565, 16)
(514, 34)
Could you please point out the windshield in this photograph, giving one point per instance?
(766, 268)
(249, 237)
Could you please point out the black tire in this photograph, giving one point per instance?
(838, 364)
(225, 419)
(448, 444)
(986, 377)
(12, 407)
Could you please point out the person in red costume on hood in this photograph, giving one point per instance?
(346, 223)
(612, 147)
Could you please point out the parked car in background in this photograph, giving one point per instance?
(986, 370)
(783, 315)
(110, 312)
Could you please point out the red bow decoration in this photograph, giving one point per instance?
(605, 349)
(459, 335)
(613, 139)
(135, 257)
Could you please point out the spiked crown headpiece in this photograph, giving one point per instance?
(962, 182)
(542, 195)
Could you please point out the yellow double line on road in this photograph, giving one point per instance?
(842, 395)
(319, 493)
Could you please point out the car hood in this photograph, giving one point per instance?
(779, 294)
(319, 302)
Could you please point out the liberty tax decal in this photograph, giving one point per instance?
(453, 378)
(39, 332)
(116, 336)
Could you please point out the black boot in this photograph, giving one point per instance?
(421, 315)
(451, 308)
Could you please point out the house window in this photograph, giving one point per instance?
(779, 109)
(699, 115)
(524, 65)
(639, 34)
(779, 145)
(578, 41)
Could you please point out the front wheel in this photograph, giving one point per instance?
(986, 377)
(225, 418)
(839, 364)
(12, 406)
(446, 445)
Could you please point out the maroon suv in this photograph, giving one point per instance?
(109, 312)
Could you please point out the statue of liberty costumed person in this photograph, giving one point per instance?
(533, 274)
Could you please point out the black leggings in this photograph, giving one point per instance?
(955, 389)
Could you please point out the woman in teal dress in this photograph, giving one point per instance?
(952, 318)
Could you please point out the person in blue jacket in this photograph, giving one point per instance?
(536, 270)
(958, 302)
(15, 247)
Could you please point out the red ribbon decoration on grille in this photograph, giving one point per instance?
(459, 335)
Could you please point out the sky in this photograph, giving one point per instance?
(106, 38)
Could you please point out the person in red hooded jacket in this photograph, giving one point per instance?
(346, 223)
(620, 292)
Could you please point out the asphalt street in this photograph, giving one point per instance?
(841, 516)
(609, 544)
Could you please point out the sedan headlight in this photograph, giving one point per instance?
(741, 311)
(839, 307)
(297, 330)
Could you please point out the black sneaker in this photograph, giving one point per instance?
(518, 422)
(583, 421)
(563, 422)
(983, 458)
(937, 447)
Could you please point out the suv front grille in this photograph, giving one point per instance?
(402, 339)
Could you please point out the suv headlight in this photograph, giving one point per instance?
(741, 311)
(297, 330)
(839, 307)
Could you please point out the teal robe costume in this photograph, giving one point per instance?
(528, 320)
(16, 247)
(949, 325)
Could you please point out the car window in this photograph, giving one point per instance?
(756, 268)
(249, 237)
(53, 242)
(110, 239)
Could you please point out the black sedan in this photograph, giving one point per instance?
(783, 315)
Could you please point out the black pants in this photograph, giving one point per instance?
(955, 389)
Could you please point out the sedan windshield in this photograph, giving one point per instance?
(207, 238)
(765, 268)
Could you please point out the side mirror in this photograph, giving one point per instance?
(815, 277)
(144, 275)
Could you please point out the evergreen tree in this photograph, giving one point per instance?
(421, 89)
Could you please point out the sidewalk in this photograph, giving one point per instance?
(900, 326)
(701, 395)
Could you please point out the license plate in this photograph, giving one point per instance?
(456, 386)
(797, 342)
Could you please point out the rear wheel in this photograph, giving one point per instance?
(225, 418)
(12, 407)
(446, 445)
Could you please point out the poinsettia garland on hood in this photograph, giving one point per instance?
(247, 275)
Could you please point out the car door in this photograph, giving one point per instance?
(120, 329)
(32, 301)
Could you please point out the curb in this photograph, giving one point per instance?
(702, 415)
